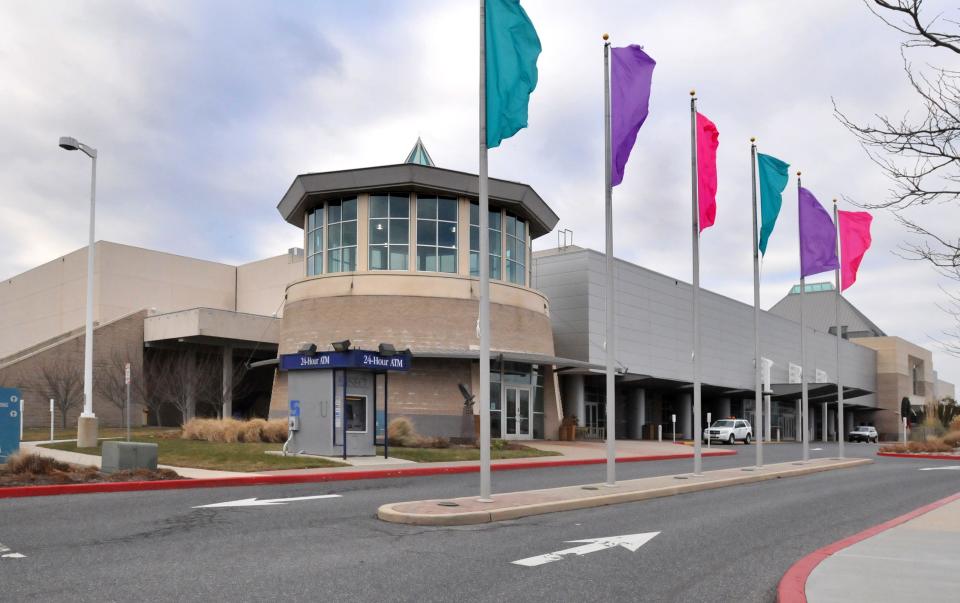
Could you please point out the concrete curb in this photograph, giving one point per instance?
(793, 585)
(390, 513)
(912, 455)
(304, 478)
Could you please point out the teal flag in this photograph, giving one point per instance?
(773, 179)
(512, 49)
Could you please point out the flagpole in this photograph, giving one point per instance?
(804, 414)
(484, 311)
(836, 309)
(697, 430)
(611, 399)
(758, 393)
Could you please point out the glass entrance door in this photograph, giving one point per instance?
(517, 413)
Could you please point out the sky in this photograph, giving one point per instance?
(203, 112)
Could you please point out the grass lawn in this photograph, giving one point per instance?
(439, 455)
(35, 434)
(212, 455)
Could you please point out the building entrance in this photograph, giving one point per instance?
(517, 415)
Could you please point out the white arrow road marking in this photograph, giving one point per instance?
(631, 542)
(950, 468)
(5, 553)
(253, 502)
(813, 449)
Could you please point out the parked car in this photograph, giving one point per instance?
(729, 431)
(864, 433)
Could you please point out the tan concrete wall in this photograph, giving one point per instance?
(420, 323)
(50, 300)
(261, 285)
(122, 338)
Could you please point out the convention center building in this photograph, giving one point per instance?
(390, 261)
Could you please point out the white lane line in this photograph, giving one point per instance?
(950, 468)
(254, 502)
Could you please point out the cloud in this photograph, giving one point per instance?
(205, 112)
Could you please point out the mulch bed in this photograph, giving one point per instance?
(33, 470)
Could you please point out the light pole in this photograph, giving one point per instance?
(87, 424)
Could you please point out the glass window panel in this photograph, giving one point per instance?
(475, 264)
(378, 206)
(311, 221)
(427, 259)
(333, 261)
(378, 232)
(447, 209)
(538, 426)
(317, 240)
(495, 267)
(446, 234)
(495, 219)
(511, 225)
(399, 232)
(475, 213)
(524, 402)
(348, 234)
(399, 206)
(398, 257)
(494, 395)
(349, 209)
(495, 424)
(349, 259)
(426, 232)
(427, 207)
(512, 272)
(495, 243)
(378, 257)
(475, 238)
(448, 260)
(333, 240)
(333, 212)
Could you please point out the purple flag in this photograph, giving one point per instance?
(818, 238)
(631, 72)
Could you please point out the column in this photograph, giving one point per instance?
(685, 416)
(799, 436)
(824, 422)
(575, 398)
(227, 382)
(638, 404)
(723, 408)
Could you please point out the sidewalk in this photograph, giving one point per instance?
(469, 510)
(911, 558)
(570, 453)
(78, 458)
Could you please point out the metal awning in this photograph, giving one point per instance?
(555, 361)
(816, 392)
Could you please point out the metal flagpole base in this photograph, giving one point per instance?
(610, 485)
(485, 500)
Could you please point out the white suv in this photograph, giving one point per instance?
(729, 431)
(864, 433)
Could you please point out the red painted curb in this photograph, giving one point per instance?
(910, 455)
(261, 480)
(792, 587)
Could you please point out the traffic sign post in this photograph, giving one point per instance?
(126, 380)
(51, 419)
(10, 406)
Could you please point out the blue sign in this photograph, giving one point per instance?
(294, 408)
(9, 422)
(353, 359)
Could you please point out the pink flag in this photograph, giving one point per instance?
(854, 241)
(708, 139)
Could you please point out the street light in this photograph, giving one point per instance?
(87, 424)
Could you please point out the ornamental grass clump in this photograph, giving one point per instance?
(401, 432)
(231, 431)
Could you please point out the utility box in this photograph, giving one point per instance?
(119, 456)
(9, 421)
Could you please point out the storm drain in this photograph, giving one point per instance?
(448, 503)
(589, 488)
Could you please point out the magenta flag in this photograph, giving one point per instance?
(708, 139)
(631, 73)
(855, 239)
(818, 238)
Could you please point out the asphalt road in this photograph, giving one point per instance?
(720, 545)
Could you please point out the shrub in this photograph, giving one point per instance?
(275, 431)
(952, 438)
(21, 463)
(955, 424)
(928, 446)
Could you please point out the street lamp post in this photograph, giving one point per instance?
(87, 424)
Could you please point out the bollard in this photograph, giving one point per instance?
(659, 433)
(51, 419)
(709, 417)
(673, 420)
(904, 430)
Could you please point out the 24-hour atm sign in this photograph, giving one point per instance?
(354, 359)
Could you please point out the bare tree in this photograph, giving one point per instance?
(185, 379)
(111, 382)
(62, 380)
(921, 155)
